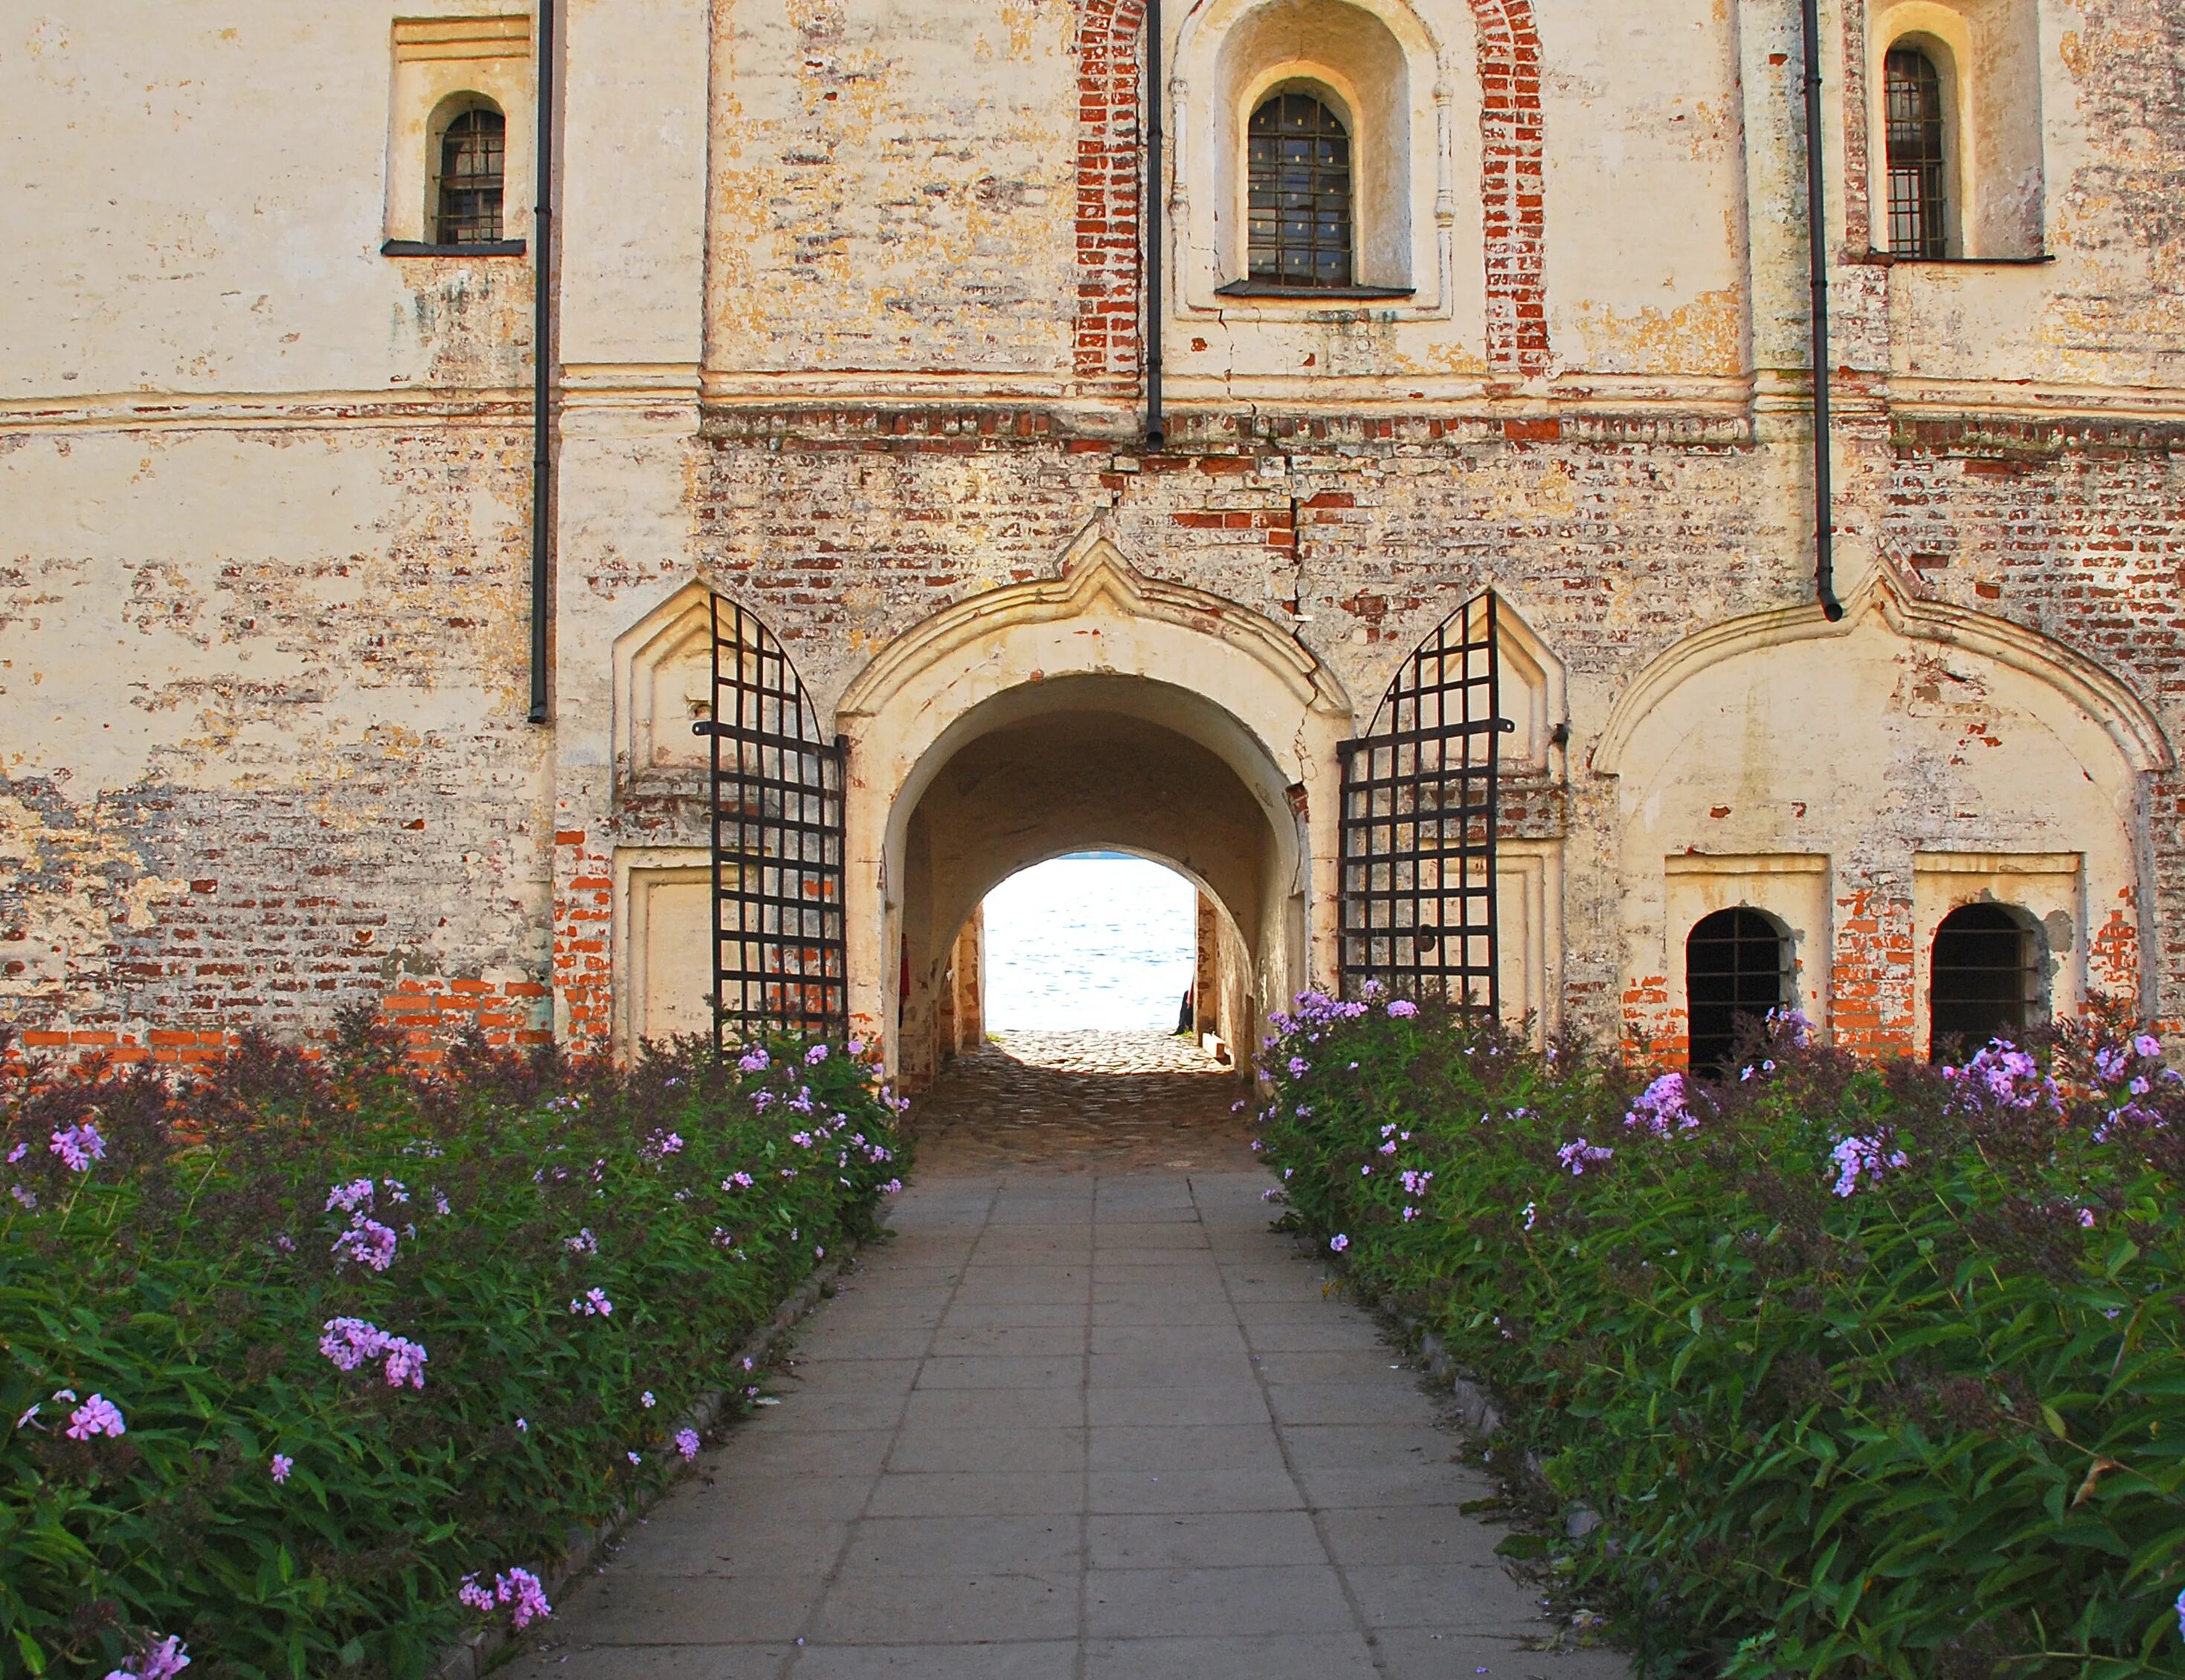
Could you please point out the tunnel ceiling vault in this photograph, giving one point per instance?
(1077, 779)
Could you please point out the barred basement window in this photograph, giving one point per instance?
(1986, 980)
(1298, 155)
(1919, 155)
(472, 151)
(1737, 965)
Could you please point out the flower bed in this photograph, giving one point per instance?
(1867, 1371)
(316, 1364)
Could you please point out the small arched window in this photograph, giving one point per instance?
(1986, 982)
(1919, 155)
(1298, 165)
(473, 149)
(1737, 967)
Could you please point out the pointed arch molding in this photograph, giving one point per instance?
(2126, 718)
(1095, 577)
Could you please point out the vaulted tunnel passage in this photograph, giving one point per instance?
(1097, 762)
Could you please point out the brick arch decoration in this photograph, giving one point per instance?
(1110, 188)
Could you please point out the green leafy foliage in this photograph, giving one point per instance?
(577, 1251)
(1869, 1371)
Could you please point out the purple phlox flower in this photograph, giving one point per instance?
(1288, 1171)
(2002, 1076)
(367, 1240)
(1411, 1214)
(350, 1343)
(349, 1198)
(282, 1465)
(595, 1302)
(22, 1149)
(747, 1362)
(1415, 1183)
(162, 1659)
(1388, 1148)
(856, 1046)
(1575, 1156)
(24, 1421)
(1532, 1214)
(665, 1143)
(2181, 1614)
(802, 1140)
(762, 1100)
(583, 1242)
(1366, 1171)
(1300, 1067)
(1236, 1108)
(2109, 1063)
(78, 1147)
(1403, 1008)
(523, 1426)
(2139, 1087)
(1858, 1157)
(815, 1055)
(472, 1596)
(789, 1172)
(686, 1443)
(396, 1190)
(1789, 1024)
(1338, 1242)
(1267, 1195)
(892, 1187)
(2147, 1044)
(96, 1416)
(28, 1197)
(2087, 1218)
(285, 1244)
(737, 1181)
(755, 1060)
(646, 1400)
(1664, 1107)
(634, 1458)
(801, 1102)
(440, 1203)
(1259, 1144)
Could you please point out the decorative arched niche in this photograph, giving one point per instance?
(1386, 74)
(1841, 776)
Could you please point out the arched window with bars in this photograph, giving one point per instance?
(1919, 151)
(1985, 981)
(473, 157)
(1301, 193)
(1737, 970)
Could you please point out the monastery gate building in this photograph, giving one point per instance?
(1477, 335)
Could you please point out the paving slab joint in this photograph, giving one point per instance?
(468, 1658)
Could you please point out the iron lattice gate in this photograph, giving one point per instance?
(1419, 811)
(776, 793)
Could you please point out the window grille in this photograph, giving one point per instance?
(1736, 964)
(472, 151)
(1986, 982)
(1299, 164)
(1918, 159)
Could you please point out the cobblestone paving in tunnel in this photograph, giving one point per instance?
(1082, 1415)
(1107, 1100)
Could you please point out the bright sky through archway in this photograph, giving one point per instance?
(1097, 943)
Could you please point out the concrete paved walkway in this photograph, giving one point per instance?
(1072, 1426)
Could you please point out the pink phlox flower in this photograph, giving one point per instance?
(367, 1240)
(1416, 1182)
(350, 1343)
(892, 1187)
(1267, 1195)
(815, 1055)
(1389, 1149)
(22, 1149)
(1366, 1171)
(396, 1190)
(583, 1242)
(646, 1400)
(1411, 1214)
(595, 1302)
(161, 1660)
(634, 1458)
(28, 1197)
(96, 1416)
(1403, 1008)
(802, 1140)
(351, 1197)
(473, 1596)
(1338, 1242)
(2147, 1044)
(2085, 1219)
(406, 1362)
(282, 1465)
(524, 1594)
(1575, 1156)
(755, 1060)
(1858, 1157)
(686, 1443)
(737, 1181)
(24, 1421)
(1258, 1145)
(78, 1147)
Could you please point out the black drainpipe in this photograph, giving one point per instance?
(1156, 432)
(542, 372)
(1816, 241)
